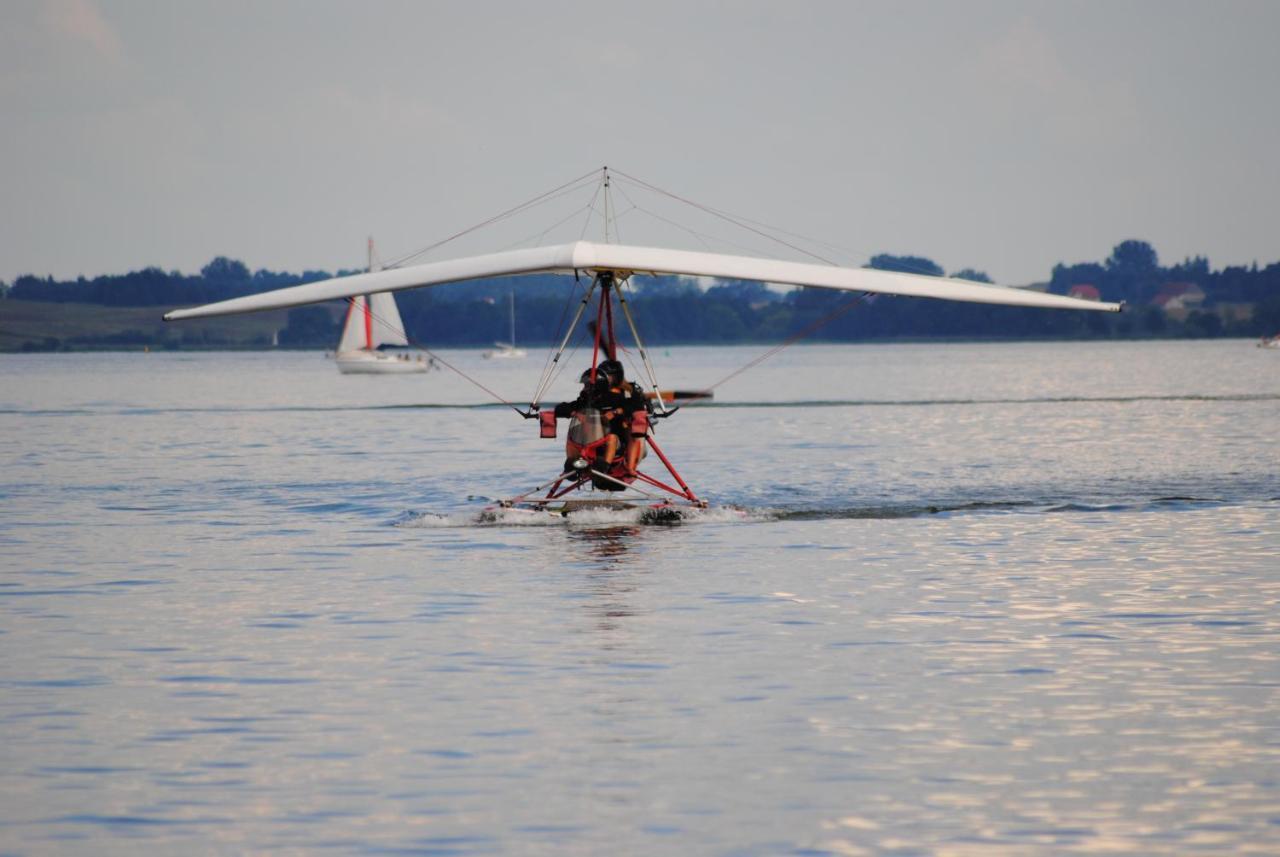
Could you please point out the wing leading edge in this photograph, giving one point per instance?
(623, 259)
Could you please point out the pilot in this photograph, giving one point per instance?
(604, 409)
(587, 397)
(586, 425)
(622, 400)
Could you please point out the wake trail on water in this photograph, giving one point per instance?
(639, 516)
(734, 514)
(711, 405)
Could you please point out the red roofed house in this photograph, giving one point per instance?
(1084, 291)
(1178, 296)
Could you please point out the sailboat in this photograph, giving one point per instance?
(373, 340)
(507, 350)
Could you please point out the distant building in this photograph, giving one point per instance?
(1178, 296)
(1233, 313)
(1084, 291)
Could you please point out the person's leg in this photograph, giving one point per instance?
(634, 449)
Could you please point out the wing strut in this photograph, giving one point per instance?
(549, 372)
(644, 355)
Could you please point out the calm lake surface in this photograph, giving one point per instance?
(984, 598)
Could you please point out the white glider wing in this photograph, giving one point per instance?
(537, 261)
(625, 260)
(653, 260)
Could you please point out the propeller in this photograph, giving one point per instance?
(682, 395)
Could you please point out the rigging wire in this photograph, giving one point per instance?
(807, 238)
(550, 371)
(590, 206)
(567, 187)
(436, 357)
(793, 339)
(564, 365)
(591, 209)
(741, 221)
(543, 234)
(817, 242)
(723, 216)
(610, 202)
(704, 237)
(586, 223)
(548, 360)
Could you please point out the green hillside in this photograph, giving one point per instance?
(43, 326)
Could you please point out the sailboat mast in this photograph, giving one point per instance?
(367, 304)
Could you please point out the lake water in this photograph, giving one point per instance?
(979, 599)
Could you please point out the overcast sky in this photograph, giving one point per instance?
(1004, 136)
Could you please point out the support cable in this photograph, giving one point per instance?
(438, 359)
(644, 355)
(546, 379)
(550, 358)
(591, 209)
(831, 316)
(742, 222)
(701, 236)
(723, 216)
(567, 187)
(534, 239)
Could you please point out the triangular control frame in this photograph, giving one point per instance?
(606, 286)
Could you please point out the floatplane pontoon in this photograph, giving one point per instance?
(590, 477)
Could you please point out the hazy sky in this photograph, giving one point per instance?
(1003, 136)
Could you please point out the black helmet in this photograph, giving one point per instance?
(586, 376)
(613, 369)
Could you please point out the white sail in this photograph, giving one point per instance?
(357, 330)
(372, 321)
(388, 329)
(625, 260)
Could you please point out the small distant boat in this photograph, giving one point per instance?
(1270, 341)
(507, 350)
(373, 340)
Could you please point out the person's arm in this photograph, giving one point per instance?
(564, 410)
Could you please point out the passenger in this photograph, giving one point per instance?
(619, 405)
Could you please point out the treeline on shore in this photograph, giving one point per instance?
(1233, 301)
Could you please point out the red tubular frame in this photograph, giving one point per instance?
(604, 335)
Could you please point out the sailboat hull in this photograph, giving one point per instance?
(380, 363)
(504, 353)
